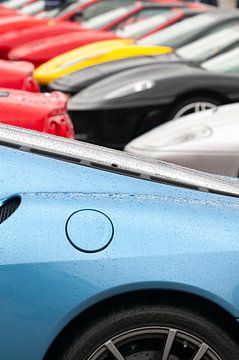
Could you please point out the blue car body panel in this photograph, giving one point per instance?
(164, 237)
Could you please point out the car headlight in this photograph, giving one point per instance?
(131, 89)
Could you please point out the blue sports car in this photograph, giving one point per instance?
(107, 256)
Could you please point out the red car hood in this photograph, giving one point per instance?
(4, 11)
(32, 111)
(18, 22)
(39, 52)
(17, 38)
(17, 75)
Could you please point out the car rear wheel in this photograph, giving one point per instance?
(152, 333)
(193, 105)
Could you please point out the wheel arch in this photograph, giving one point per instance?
(202, 92)
(205, 307)
(167, 109)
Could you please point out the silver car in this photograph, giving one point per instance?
(206, 141)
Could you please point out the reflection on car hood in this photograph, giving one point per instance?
(80, 79)
(99, 94)
(207, 131)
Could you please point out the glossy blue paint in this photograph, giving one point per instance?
(165, 237)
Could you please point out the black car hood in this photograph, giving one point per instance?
(154, 85)
(99, 95)
(79, 80)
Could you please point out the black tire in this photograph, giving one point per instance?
(153, 317)
(180, 104)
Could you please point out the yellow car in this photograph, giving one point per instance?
(93, 54)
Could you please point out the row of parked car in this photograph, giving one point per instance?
(126, 66)
(105, 255)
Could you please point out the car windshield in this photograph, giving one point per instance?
(33, 8)
(71, 6)
(89, 12)
(211, 45)
(100, 21)
(178, 34)
(143, 27)
(226, 63)
(15, 3)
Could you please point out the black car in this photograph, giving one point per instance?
(79, 80)
(115, 110)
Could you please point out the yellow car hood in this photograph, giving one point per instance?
(93, 54)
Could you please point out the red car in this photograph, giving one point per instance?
(134, 11)
(16, 38)
(16, 32)
(39, 52)
(42, 112)
(17, 75)
(4, 11)
(16, 22)
(83, 10)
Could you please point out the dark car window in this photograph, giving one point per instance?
(228, 62)
(211, 45)
(91, 11)
(69, 8)
(178, 34)
(60, 11)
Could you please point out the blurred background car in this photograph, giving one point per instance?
(68, 11)
(114, 110)
(17, 75)
(206, 141)
(193, 29)
(7, 12)
(132, 11)
(16, 22)
(146, 83)
(155, 16)
(39, 52)
(12, 39)
(41, 112)
(197, 52)
(96, 53)
(16, 4)
(72, 61)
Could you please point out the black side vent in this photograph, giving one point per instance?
(8, 208)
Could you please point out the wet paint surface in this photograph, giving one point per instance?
(165, 237)
(89, 230)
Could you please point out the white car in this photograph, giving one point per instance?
(206, 141)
